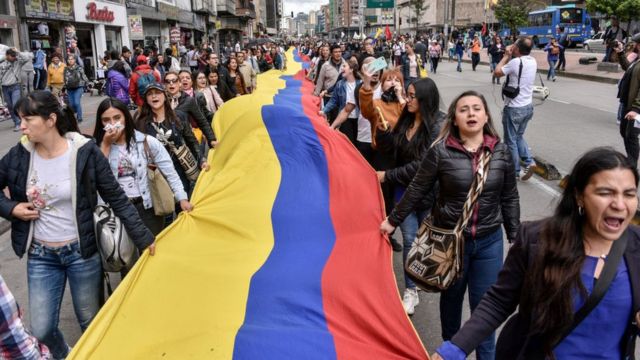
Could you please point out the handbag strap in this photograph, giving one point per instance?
(479, 179)
(602, 284)
(148, 152)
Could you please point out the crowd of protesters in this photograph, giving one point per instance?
(425, 154)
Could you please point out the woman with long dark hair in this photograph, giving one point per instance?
(234, 73)
(553, 266)
(54, 176)
(214, 80)
(171, 128)
(416, 129)
(213, 101)
(124, 146)
(452, 163)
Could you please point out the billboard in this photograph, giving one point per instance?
(384, 4)
(51, 9)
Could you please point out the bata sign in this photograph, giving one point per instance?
(96, 14)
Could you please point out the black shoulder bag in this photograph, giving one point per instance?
(510, 91)
(506, 347)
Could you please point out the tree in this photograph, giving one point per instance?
(625, 10)
(419, 7)
(513, 13)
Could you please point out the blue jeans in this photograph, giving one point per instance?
(47, 272)
(552, 69)
(75, 95)
(514, 121)
(11, 94)
(409, 229)
(482, 262)
(459, 56)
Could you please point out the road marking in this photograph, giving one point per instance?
(560, 101)
(544, 187)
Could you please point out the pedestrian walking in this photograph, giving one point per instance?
(467, 133)
(475, 52)
(55, 74)
(567, 273)
(434, 54)
(496, 52)
(211, 95)
(459, 53)
(415, 131)
(518, 111)
(565, 41)
(553, 50)
(411, 65)
(142, 77)
(74, 82)
(10, 78)
(40, 68)
(129, 152)
(629, 96)
(58, 175)
(328, 76)
(117, 85)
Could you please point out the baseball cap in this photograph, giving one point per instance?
(141, 59)
(154, 85)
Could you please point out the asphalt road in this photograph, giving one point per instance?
(577, 116)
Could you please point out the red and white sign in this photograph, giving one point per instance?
(95, 14)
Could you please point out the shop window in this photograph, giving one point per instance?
(5, 8)
(45, 35)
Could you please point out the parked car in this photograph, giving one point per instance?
(596, 43)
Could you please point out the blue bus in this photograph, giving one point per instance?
(543, 23)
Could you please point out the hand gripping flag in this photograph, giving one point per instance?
(281, 257)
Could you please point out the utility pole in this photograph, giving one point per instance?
(361, 7)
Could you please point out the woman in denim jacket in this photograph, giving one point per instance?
(124, 147)
(343, 97)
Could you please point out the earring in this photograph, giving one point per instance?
(580, 210)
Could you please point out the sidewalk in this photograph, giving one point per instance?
(573, 69)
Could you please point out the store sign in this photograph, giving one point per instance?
(95, 14)
(136, 32)
(174, 35)
(49, 9)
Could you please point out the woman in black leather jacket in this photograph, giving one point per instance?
(416, 129)
(451, 162)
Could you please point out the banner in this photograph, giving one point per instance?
(51, 9)
(136, 31)
(281, 258)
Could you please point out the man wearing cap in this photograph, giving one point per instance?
(629, 95)
(142, 69)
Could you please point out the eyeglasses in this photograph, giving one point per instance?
(411, 97)
(173, 81)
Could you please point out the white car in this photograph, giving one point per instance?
(596, 43)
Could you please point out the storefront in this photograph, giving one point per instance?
(145, 25)
(99, 27)
(44, 23)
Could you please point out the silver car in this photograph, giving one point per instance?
(596, 43)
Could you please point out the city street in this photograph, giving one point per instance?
(577, 116)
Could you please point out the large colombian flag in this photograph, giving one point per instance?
(281, 257)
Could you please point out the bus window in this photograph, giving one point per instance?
(571, 16)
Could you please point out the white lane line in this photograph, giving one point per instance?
(560, 101)
(544, 187)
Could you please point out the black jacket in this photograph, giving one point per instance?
(448, 163)
(91, 167)
(223, 76)
(189, 106)
(501, 300)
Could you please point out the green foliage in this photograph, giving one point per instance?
(625, 10)
(513, 13)
(418, 7)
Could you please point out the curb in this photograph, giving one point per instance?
(588, 77)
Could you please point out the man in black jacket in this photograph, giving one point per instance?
(187, 104)
(223, 75)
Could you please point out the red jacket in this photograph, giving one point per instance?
(133, 82)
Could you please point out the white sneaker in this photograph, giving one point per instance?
(410, 300)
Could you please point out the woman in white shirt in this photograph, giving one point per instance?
(54, 175)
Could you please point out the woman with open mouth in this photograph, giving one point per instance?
(467, 138)
(573, 275)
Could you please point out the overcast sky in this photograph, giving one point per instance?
(302, 6)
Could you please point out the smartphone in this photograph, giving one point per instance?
(377, 65)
